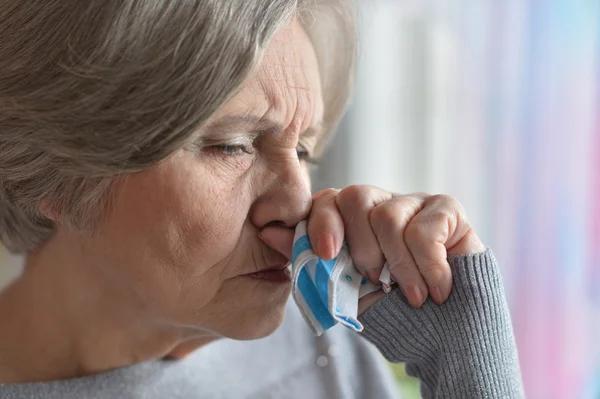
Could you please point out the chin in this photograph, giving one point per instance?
(265, 327)
(259, 319)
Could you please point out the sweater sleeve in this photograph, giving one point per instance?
(464, 348)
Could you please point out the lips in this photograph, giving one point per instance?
(279, 273)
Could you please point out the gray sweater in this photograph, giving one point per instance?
(462, 349)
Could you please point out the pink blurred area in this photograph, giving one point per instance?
(498, 104)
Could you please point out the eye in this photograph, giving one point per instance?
(231, 149)
(304, 156)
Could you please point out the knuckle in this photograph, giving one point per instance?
(418, 232)
(355, 195)
(326, 194)
(409, 205)
(390, 216)
(420, 195)
(382, 219)
(442, 217)
(443, 198)
(445, 201)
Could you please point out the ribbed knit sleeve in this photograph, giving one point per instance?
(464, 348)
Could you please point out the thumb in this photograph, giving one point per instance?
(281, 239)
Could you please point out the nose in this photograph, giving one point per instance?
(285, 197)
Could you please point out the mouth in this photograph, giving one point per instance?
(277, 274)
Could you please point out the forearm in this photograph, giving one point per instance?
(464, 348)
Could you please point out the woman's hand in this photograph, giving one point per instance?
(414, 233)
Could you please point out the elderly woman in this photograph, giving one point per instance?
(153, 166)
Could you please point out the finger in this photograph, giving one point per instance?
(355, 204)
(463, 238)
(390, 221)
(325, 225)
(281, 239)
(426, 236)
(469, 243)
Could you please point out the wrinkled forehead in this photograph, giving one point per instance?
(285, 86)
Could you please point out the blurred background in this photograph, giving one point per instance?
(498, 104)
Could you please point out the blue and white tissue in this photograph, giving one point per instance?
(327, 292)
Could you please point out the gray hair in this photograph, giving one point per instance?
(94, 90)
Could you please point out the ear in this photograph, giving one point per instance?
(46, 209)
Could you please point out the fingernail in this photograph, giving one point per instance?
(326, 247)
(414, 295)
(419, 294)
(436, 294)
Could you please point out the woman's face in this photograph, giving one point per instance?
(181, 240)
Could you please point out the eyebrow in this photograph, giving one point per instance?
(252, 123)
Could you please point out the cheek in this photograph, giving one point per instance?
(306, 170)
(171, 231)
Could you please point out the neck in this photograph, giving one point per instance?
(59, 322)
